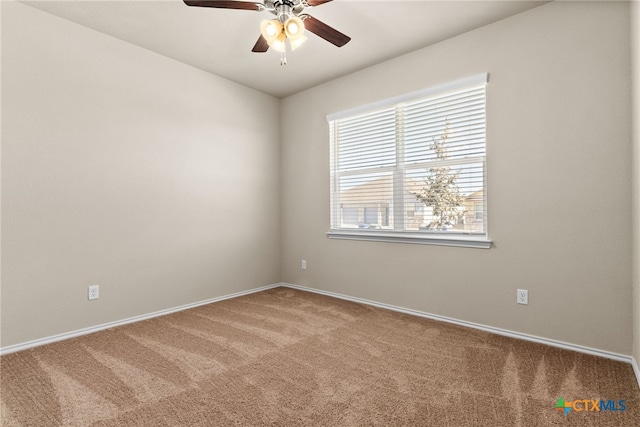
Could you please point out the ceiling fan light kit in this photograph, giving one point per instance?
(289, 25)
(275, 32)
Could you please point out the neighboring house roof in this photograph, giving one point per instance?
(380, 190)
(476, 196)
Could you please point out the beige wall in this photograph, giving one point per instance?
(123, 168)
(119, 168)
(635, 56)
(558, 152)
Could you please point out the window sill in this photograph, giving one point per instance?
(465, 241)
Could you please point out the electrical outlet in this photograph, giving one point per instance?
(523, 296)
(304, 264)
(94, 292)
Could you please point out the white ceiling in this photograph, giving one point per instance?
(220, 40)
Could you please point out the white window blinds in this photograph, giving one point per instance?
(412, 167)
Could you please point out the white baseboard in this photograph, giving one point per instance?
(85, 331)
(499, 331)
(636, 370)
(491, 329)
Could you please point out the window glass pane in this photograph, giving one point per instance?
(416, 167)
(365, 200)
(451, 197)
(350, 215)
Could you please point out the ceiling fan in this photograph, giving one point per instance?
(290, 24)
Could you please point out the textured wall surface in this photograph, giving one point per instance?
(558, 153)
(130, 170)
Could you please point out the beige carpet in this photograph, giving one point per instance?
(284, 357)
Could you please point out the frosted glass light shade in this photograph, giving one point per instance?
(271, 30)
(297, 42)
(294, 27)
(279, 43)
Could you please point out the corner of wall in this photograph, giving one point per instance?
(281, 181)
(635, 73)
(0, 172)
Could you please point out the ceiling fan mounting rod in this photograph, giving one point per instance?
(289, 26)
(284, 9)
(290, 3)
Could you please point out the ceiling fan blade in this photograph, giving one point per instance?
(321, 29)
(221, 4)
(313, 3)
(261, 45)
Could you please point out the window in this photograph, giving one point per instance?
(412, 168)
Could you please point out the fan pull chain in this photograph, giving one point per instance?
(283, 57)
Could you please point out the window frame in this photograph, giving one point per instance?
(444, 238)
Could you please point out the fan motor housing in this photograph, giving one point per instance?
(283, 9)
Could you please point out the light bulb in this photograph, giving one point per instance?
(294, 27)
(279, 43)
(271, 30)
